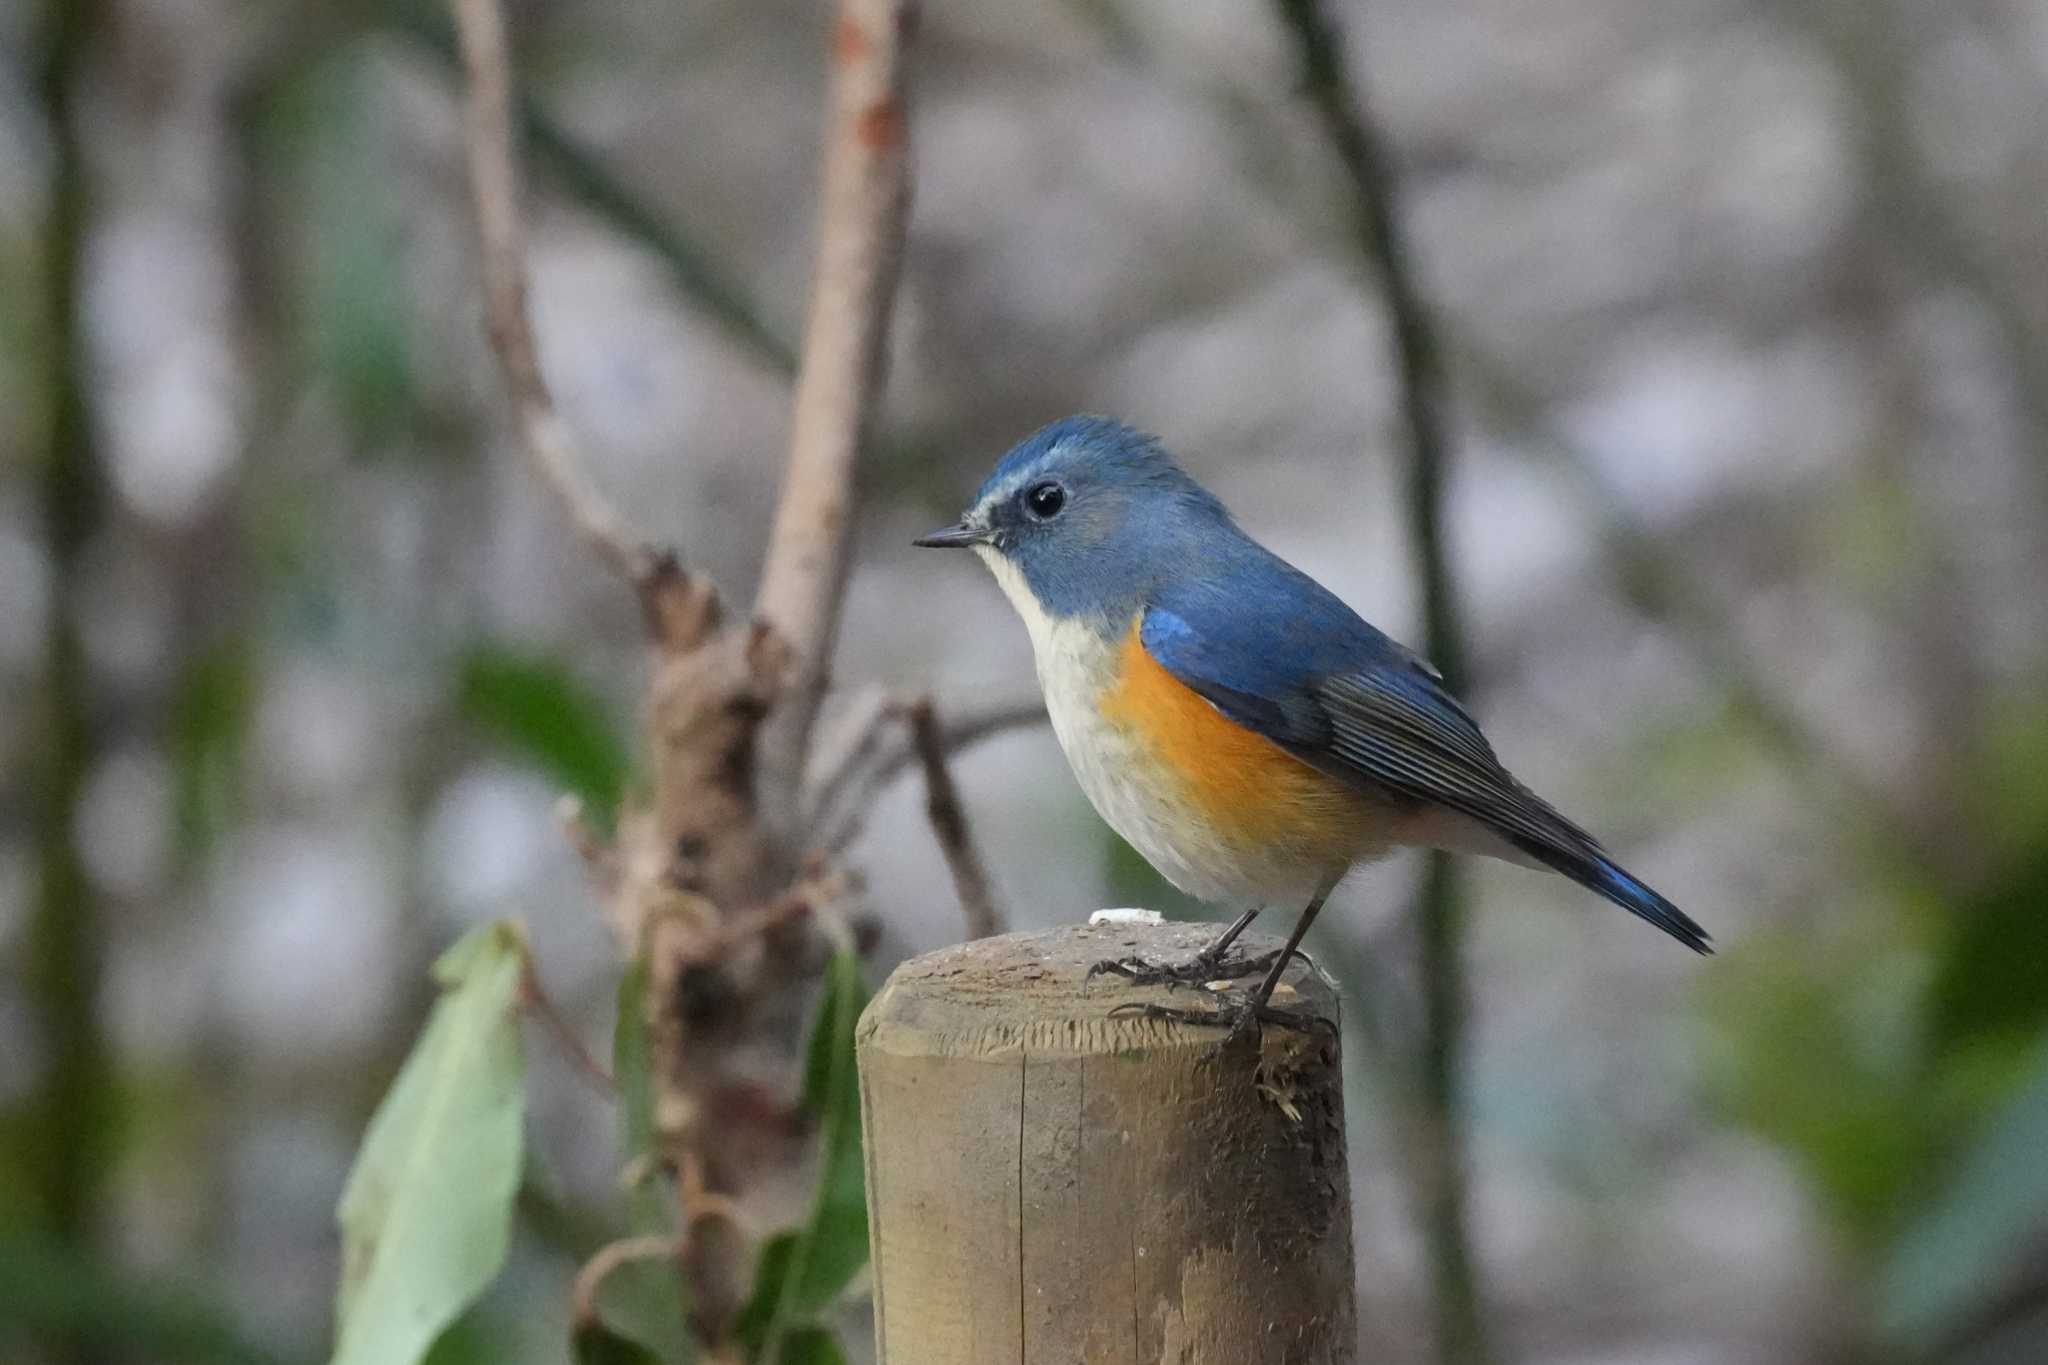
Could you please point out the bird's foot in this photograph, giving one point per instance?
(1198, 970)
(1240, 1017)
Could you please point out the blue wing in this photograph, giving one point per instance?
(1279, 654)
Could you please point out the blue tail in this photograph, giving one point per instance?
(1614, 882)
(1599, 873)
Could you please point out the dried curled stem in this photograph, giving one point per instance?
(611, 1256)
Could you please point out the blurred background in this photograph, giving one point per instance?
(1747, 314)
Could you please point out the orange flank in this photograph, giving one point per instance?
(1250, 792)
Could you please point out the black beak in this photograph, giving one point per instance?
(953, 537)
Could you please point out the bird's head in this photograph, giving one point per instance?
(1082, 517)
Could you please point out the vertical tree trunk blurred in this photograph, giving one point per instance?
(1424, 390)
(70, 1149)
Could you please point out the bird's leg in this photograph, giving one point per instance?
(1257, 1008)
(1207, 965)
(1264, 994)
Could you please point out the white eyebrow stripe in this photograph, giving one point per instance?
(1007, 489)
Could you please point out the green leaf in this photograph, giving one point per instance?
(596, 1344)
(772, 1273)
(534, 706)
(811, 1346)
(821, 1058)
(1992, 982)
(476, 1337)
(2007, 800)
(641, 1301)
(426, 1217)
(800, 1273)
(1974, 1234)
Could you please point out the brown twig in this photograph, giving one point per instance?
(761, 920)
(692, 847)
(845, 748)
(949, 823)
(535, 999)
(494, 185)
(600, 859)
(864, 204)
(704, 872)
(997, 718)
(839, 820)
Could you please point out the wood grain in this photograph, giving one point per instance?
(1049, 1185)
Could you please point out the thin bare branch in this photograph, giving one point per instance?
(535, 998)
(968, 728)
(864, 205)
(949, 823)
(844, 749)
(494, 184)
(838, 822)
(756, 921)
(600, 857)
(582, 175)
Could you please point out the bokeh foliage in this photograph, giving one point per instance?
(1879, 1025)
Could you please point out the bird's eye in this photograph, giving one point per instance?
(1045, 500)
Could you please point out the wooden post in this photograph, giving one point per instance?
(1048, 1185)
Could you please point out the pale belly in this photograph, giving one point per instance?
(1187, 849)
(1142, 799)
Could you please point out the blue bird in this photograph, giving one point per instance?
(1233, 720)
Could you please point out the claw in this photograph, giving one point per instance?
(1240, 1019)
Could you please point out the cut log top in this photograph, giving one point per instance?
(1033, 992)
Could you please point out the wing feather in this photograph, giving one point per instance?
(1364, 709)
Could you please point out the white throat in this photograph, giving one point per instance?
(1036, 619)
